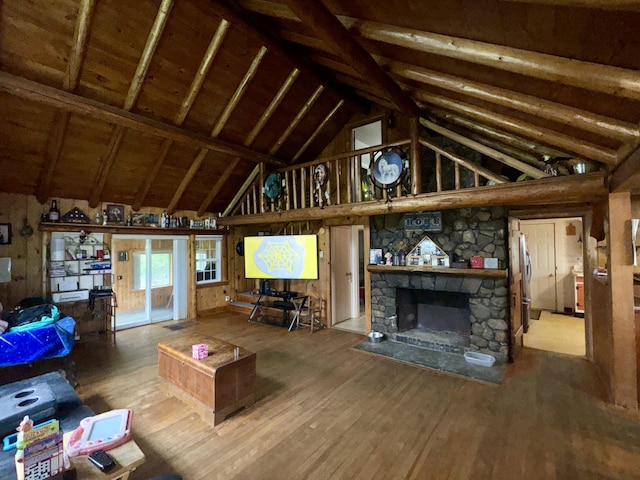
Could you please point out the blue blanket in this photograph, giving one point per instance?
(49, 341)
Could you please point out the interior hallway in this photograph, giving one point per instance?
(557, 333)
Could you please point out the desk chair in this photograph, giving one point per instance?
(311, 314)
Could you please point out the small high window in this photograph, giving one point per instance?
(208, 258)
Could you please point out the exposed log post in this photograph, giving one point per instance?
(563, 114)
(544, 135)
(591, 76)
(328, 28)
(416, 158)
(548, 191)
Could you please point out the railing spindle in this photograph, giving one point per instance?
(438, 172)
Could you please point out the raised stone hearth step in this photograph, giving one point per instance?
(442, 341)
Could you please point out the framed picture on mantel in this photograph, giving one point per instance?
(115, 214)
(375, 256)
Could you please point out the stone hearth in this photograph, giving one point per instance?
(487, 311)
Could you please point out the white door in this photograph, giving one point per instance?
(343, 275)
(541, 243)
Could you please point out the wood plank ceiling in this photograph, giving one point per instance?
(171, 103)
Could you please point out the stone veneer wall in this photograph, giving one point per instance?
(465, 233)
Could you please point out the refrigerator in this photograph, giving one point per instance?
(525, 269)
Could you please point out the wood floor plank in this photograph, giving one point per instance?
(325, 410)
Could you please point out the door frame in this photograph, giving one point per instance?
(586, 217)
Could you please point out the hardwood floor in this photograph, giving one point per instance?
(326, 411)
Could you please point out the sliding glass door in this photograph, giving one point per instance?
(150, 279)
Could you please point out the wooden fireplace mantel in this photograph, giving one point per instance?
(476, 272)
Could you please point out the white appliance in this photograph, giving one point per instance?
(74, 296)
(525, 269)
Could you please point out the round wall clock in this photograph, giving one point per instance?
(273, 186)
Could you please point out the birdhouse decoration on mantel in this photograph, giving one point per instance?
(429, 253)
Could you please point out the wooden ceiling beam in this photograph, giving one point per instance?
(218, 186)
(563, 114)
(252, 27)
(313, 136)
(506, 138)
(591, 76)
(54, 146)
(626, 174)
(490, 152)
(320, 20)
(623, 5)
(80, 34)
(135, 86)
(53, 97)
(546, 191)
(277, 100)
(217, 128)
(297, 119)
(185, 107)
(147, 53)
(544, 135)
(105, 166)
(61, 118)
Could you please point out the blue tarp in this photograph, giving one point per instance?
(49, 341)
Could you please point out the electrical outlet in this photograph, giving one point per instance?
(227, 298)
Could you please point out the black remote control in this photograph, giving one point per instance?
(102, 460)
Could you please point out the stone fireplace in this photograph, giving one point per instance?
(451, 310)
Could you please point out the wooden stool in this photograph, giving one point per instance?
(311, 314)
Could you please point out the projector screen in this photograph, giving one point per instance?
(287, 257)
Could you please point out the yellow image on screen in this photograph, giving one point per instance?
(282, 256)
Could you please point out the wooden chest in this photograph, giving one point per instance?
(215, 386)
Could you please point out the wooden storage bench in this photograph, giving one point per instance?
(215, 386)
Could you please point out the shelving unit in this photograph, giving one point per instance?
(79, 279)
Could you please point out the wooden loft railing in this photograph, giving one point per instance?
(347, 183)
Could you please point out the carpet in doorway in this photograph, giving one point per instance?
(451, 363)
(535, 314)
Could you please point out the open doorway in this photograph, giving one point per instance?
(347, 278)
(556, 317)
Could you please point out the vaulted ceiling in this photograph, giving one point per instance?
(172, 103)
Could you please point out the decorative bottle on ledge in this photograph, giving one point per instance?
(54, 213)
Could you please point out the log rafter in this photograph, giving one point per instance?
(599, 124)
(185, 106)
(626, 173)
(330, 30)
(217, 128)
(132, 95)
(577, 73)
(69, 83)
(317, 131)
(544, 135)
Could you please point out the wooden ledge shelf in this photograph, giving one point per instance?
(476, 272)
(95, 228)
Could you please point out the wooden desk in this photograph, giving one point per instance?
(215, 386)
(128, 456)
